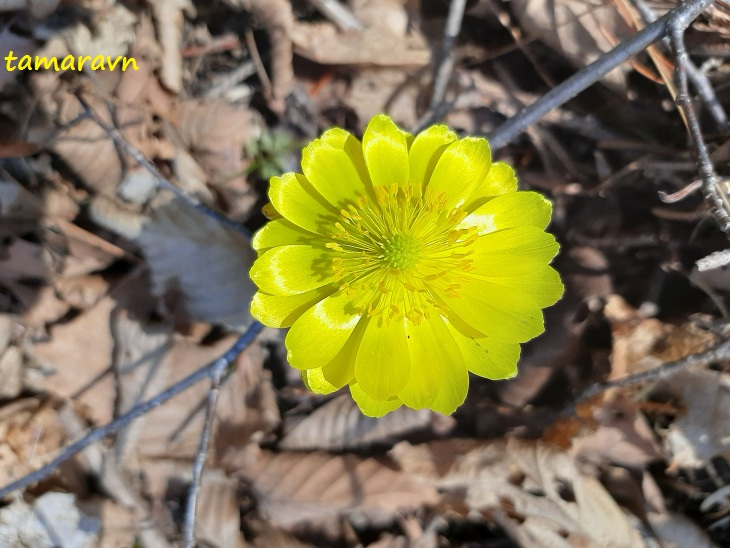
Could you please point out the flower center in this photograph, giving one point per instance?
(394, 255)
(402, 251)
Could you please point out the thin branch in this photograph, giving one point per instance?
(339, 14)
(714, 194)
(162, 182)
(101, 432)
(716, 354)
(442, 69)
(682, 15)
(201, 454)
(696, 76)
(443, 65)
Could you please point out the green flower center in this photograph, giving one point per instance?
(395, 254)
(402, 251)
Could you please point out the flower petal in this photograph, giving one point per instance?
(510, 211)
(461, 168)
(334, 165)
(433, 349)
(385, 150)
(544, 286)
(453, 392)
(315, 382)
(512, 252)
(371, 407)
(296, 199)
(282, 232)
(320, 332)
(341, 370)
(497, 311)
(382, 365)
(487, 358)
(278, 311)
(501, 179)
(292, 269)
(424, 154)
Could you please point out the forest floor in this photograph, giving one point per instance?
(112, 290)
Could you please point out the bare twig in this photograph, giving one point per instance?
(200, 455)
(442, 69)
(682, 15)
(696, 76)
(98, 434)
(714, 194)
(277, 17)
(253, 51)
(220, 84)
(716, 354)
(443, 65)
(160, 179)
(339, 14)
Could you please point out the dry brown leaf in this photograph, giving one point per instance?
(78, 354)
(244, 405)
(323, 43)
(673, 529)
(296, 488)
(534, 491)
(623, 437)
(339, 425)
(640, 343)
(52, 516)
(703, 431)
(197, 263)
(11, 373)
(376, 90)
(30, 436)
(140, 369)
(580, 30)
(215, 133)
(169, 18)
(218, 520)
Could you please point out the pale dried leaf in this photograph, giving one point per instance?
(30, 436)
(192, 256)
(703, 431)
(243, 409)
(218, 520)
(623, 437)
(323, 43)
(339, 425)
(580, 30)
(87, 252)
(216, 133)
(169, 18)
(533, 491)
(112, 34)
(11, 373)
(137, 359)
(376, 90)
(295, 488)
(78, 356)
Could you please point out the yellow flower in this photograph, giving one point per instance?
(402, 263)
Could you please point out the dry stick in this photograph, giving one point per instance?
(200, 455)
(681, 15)
(97, 434)
(443, 65)
(676, 25)
(339, 14)
(716, 354)
(714, 194)
(162, 182)
(697, 77)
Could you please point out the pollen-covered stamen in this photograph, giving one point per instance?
(394, 254)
